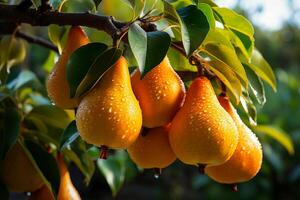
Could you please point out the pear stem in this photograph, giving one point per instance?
(157, 172)
(104, 152)
(234, 187)
(201, 168)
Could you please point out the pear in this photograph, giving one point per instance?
(152, 149)
(246, 161)
(57, 84)
(202, 132)
(110, 114)
(18, 173)
(160, 94)
(66, 191)
(43, 193)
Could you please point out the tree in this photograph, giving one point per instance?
(199, 38)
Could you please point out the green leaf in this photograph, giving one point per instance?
(194, 28)
(208, 12)
(76, 6)
(262, 68)
(279, 135)
(46, 163)
(238, 24)
(249, 108)
(209, 2)
(78, 153)
(49, 62)
(228, 57)
(225, 74)
(9, 129)
(179, 62)
(12, 51)
(97, 2)
(26, 78)
(256, 86)
(120, 9)
(113, 169)
(70, 135)
(80, 62)
(149, 48)
(56, 34)
(102, 63)
(235, 21)
(51, 115)
(171, 15)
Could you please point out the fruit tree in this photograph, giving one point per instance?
(148, 82)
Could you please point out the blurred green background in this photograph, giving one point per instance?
(278, 38)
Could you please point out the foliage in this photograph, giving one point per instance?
(223, 39)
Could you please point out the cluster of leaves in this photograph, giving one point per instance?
(221, 38)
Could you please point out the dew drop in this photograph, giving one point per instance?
(110, 109)
(209, 129)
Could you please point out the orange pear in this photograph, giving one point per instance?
(160, 94)
(246, 161)
(42, 194)
(152, 149)
(57, 84)
(110, 114)
(18, 173)
(66, 191)
(202, 132)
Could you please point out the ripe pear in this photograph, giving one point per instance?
(246, 161)
(42, 194)
(18, 173)
(110, 114)
(66, 191)
(57, 84)
(152, 149)
(160, 94)
(202, 132)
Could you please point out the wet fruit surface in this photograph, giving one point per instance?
(160, 94)
(110, 115)
(202, 132)
(247, 158)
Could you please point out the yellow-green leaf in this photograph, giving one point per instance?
(277, 134)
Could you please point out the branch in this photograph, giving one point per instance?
(37, 40)
(13, 14)
(16, 15)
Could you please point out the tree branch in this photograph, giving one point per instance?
(37, 40)
(13, 14)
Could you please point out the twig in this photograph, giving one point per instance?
(13, 14)
(36, 40)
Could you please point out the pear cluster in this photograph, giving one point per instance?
(157, 121)
(20, 174)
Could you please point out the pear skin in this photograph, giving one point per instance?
(202, 132)
(152, 149)
(246, 161)
(42, 194)
(110, 114)
(160, 94)
(66, 191)
(19, 173)
(57, 83)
